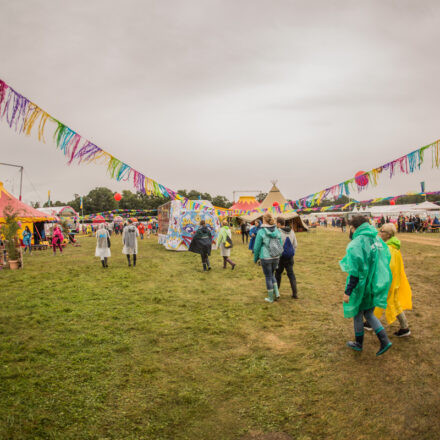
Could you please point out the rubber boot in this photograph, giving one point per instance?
(269, 298)
(385, 342)
(231, 263)
(205, 267)
(134, 259)
(294, 289)
(103, 263)
(208, 263)
(106, 261)
(276, 292)
(224, 262)
(359, 342)
(129, 260)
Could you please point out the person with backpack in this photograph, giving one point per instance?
(224, 242)
(201, 244)
(268, 249)
(367, 263)
(286, 260)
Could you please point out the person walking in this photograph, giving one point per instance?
(141, 228)
(129, 240)
(343, 224)
(400, 295)
(253, 234)
(201, 243)
(27, 239)
(244, 231)
(57, 240)
(268, 249)
(290, 244)
(224, 241)
(367, 263)
(103, 244)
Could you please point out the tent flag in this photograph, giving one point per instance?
(23, 115)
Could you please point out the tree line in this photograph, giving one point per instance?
(102, 199)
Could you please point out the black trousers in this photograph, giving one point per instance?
(286, 264)
(243, 235)
(205, 259)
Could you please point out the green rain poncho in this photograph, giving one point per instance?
(367, 258)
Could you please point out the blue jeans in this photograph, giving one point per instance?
(369, 316)
(269, 267)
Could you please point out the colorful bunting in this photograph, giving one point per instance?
(23, 115)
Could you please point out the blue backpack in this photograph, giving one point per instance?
(288, 249)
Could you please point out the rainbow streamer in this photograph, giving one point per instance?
(23, 115)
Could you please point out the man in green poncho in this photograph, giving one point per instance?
(367, 262)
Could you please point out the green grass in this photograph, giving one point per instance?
(165, 351)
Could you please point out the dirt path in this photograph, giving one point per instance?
(420, 241)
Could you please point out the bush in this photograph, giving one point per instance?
(10, 231)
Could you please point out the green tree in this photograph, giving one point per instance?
(221, 202)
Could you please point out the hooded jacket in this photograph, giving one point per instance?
(202, 241)
(400, 295)
(253, 234)
(261, 247)
(367, 258)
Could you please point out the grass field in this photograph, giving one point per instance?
(165, 351)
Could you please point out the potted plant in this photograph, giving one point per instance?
(10, 232)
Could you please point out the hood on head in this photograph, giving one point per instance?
(365, 229)
(271, 231)
(395, 242)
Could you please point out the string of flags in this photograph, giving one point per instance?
(25, 117)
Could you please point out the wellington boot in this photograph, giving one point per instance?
(103, 263)
(269, 298)
(276, 292)
(106, 262)
(385, 342)
(358, 344)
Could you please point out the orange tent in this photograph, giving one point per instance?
(27, 215)
(246, 203)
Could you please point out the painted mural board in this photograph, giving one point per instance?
(178, 224)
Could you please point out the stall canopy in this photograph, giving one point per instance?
(273, 196)
(395, 210)
(60, 211)
(27, 215)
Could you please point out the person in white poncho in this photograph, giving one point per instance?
(129, 240)
(102, 245)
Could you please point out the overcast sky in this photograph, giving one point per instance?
(224, 95)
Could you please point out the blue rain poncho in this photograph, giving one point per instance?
(367, 258)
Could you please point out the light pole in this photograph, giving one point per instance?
(21, 175)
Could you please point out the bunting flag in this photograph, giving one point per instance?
(363, 202)
(24, 116)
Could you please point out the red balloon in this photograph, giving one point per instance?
(392, 202)
(118, 197)
(361, 178)
(275, 204)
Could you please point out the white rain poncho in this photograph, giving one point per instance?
(102, 249)
(129, 240)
